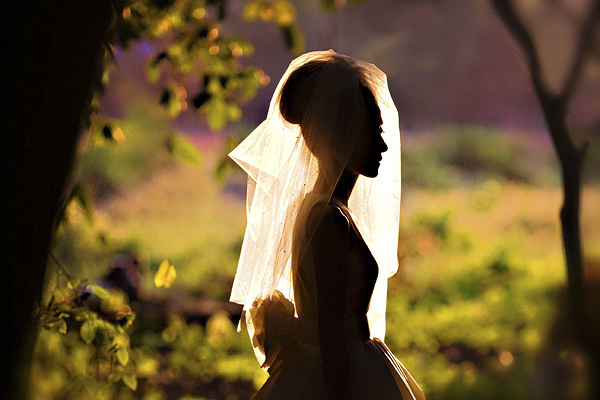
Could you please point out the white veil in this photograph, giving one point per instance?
(282, 169)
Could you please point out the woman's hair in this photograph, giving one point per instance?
(296, 93)
(300, 85)
(326, 97)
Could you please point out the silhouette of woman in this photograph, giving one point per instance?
(312, 274)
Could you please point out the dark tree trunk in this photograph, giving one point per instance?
(571, 158)
(52, 50)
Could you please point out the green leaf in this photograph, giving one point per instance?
(50, 302)
(87, 332)
(122, 355)
(62, 326)
(214, 86)
(328, 5)
(152, 72)
(234, 112)
(284, 12)
(221, 169)
(216, 113)
(126, 321)
(251, 11)
(130, 380)
(73, 283)
(91, 385)
(100, 292)
(83, 197)
(166, 274)
(293, 38)
(114, 377)
(81, 315)
(121, 340)
(185, 149)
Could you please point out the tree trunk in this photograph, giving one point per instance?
(52, 50)
(571, 159)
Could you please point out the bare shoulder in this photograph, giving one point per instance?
(330, 223)
(330, 246)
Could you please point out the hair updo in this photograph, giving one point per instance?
(329, 99)
(300, 86)
(297, 91)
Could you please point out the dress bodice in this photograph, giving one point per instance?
(359, 273)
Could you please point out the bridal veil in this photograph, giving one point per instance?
(292, 164)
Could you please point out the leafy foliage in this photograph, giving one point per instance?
(148, 144)
(213, 351)
(468, 313)
(471, 307)
(84, 340)
(192, 43)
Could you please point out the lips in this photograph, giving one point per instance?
(376, 163)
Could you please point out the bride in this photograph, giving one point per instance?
(322, 234)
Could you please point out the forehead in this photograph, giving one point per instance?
(373, 110)
(371, 103)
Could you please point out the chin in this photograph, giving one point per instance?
(371, 173)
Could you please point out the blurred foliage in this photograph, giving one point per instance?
(83, 349)
(196, 52)
(331, 5)
(468, 313)
(212, 351)
(283, 14)
(193, 51)
(108, 165)
(453, 155)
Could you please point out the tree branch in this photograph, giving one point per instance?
(583, 46)
(509, 16)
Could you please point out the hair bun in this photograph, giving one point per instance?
(297, 91)
(291, 109)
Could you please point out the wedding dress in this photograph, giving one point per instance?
(374, 372)
(317, 323)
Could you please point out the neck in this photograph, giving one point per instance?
(344, 187)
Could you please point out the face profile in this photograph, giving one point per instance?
(367, 154)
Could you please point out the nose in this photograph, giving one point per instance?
(382, 147)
